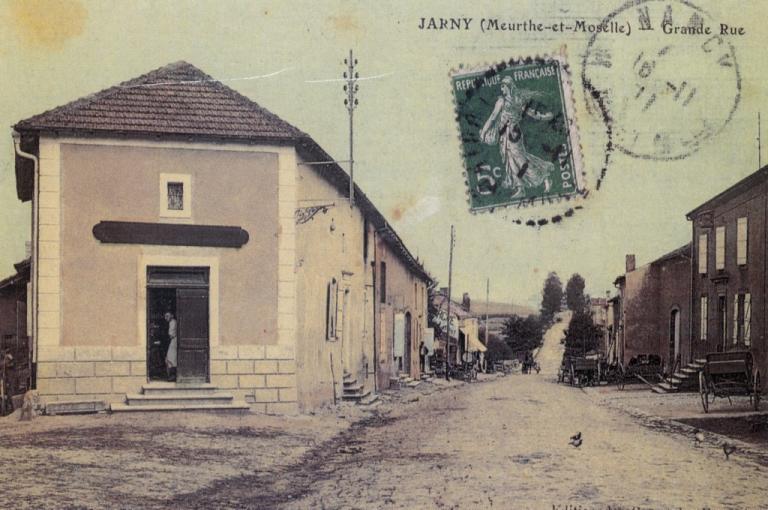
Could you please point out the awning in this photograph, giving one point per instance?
(473, 343)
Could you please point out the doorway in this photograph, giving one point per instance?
(674, 337)
(407, 346)
(180, 294)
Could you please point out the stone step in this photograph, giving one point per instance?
(675, 380)
(233, 406)
(666, 386)
(658, 390)
(350, 382)
(689, 371)
(355, 397)
(353, 389)
(178, 398)
(75, 407)
(700, 361)
(155, 388)
(370, 400)
(413, 383)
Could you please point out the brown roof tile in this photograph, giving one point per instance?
(176, 100)
(180, 100)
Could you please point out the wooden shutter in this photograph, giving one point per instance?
(331, 309)
(741, 241)
(747, 318)
(399, 348)
(735, 318)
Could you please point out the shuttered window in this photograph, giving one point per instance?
(702, 253)
(742, 318)
(741, 241)
(331, 309)
(720, 248)
(703, 318)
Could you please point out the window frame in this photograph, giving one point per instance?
(703, 317)
(186, 185)
(383, 282)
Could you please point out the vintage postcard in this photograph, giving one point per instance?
(331, 254)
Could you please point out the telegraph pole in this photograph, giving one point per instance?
(350, 88)
(487, 303)
(448, 329)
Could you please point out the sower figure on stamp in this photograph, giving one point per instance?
(503, 128)
(171, 355)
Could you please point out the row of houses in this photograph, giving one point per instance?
(172, 194)
(709, 295)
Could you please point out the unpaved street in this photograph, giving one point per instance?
(501, 443)
(504, 444)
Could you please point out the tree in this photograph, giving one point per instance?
(498, 349)
(574, 293)
(582, 334)
(433, 311)
(523, 334)
(552, 296)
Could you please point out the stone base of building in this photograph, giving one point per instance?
(264, 376)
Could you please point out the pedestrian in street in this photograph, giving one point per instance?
(171, 354)
(423, 351)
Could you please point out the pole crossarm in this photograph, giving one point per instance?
(350, 101)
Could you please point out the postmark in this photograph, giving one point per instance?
(518, 134)
(677, 86)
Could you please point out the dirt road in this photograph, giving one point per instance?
(504, 444)
(496, 444)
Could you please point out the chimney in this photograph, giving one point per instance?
(465, 301)
(630, 263)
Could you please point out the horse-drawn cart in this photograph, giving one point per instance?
(645, 368)
(579, 371)
(729, 374)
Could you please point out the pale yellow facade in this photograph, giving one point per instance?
(268, 300)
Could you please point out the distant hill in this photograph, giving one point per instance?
(501, 309)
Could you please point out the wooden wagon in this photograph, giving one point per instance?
(645, 368)
(579, 371)
(729, 374)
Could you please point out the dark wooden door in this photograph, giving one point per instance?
(193, 355)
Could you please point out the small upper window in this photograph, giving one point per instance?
(175, 194)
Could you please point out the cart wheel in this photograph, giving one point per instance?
(703, 392)
(757, 389)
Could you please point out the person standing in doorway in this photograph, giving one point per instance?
(170, 355)
(423, 351)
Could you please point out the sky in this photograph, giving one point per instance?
(286, 56)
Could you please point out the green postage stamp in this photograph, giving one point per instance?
(518, 133)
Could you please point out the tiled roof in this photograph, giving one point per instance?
(178, 100)
(735, 190)
(683, 251)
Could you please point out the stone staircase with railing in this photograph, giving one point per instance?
(683, 379)
(355, 392)
(169, 396)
